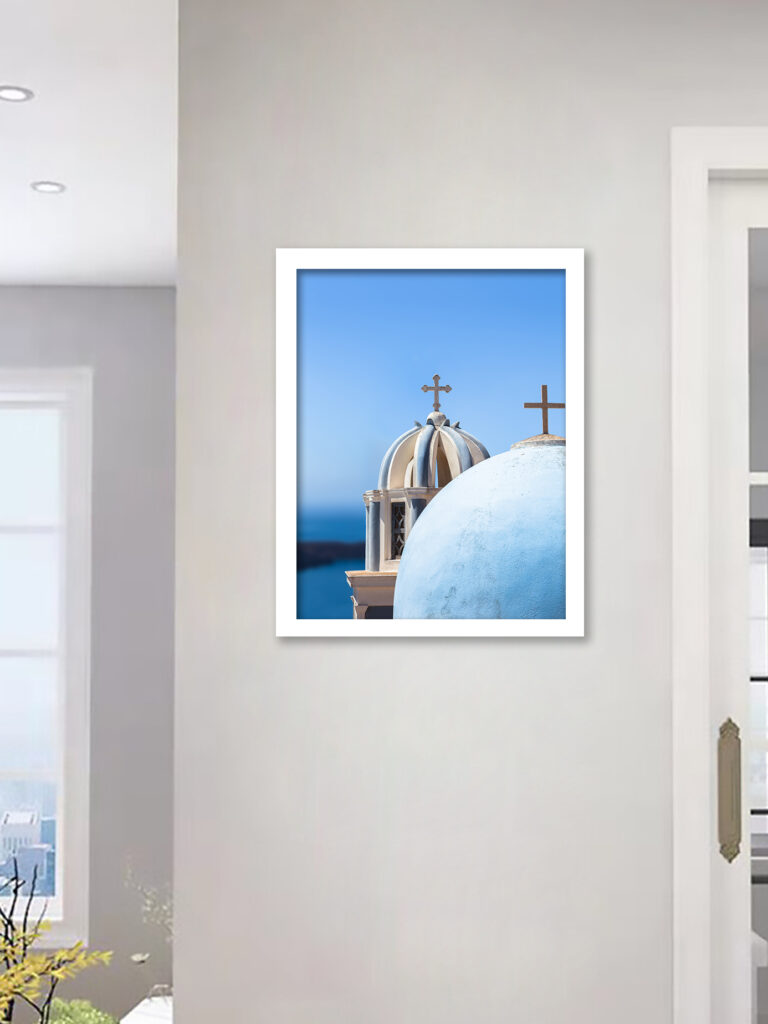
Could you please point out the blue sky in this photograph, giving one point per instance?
(368, 340)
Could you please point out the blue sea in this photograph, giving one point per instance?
(323, 592)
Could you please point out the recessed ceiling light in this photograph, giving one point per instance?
(50, 187)
(15, 94)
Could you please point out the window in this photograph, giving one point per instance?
(398, 528)
(45, 428)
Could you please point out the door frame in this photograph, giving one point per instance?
(698, 157)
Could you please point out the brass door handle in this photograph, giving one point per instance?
(729, 789)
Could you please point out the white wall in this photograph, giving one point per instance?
(422, 831)
(127, 336)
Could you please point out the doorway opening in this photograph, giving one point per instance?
(758, 615)
(719, 206)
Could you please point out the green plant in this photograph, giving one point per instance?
(78, 1011)
(27, 975)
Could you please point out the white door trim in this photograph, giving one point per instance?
(698, 156)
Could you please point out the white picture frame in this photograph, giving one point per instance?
(288, 263)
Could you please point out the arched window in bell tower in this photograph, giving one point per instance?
(398, 528)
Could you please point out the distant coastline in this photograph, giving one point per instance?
(312, 553)
(330, 541)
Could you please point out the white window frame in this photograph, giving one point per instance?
(71, 391)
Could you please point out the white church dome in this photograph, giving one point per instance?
(430, 456)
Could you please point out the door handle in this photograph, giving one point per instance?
(729, 790)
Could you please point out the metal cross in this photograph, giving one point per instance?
(436, 388)
(545, 406)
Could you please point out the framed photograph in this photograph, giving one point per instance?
(430, 442)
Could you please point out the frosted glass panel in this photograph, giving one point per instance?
(758, 710)
(28, 714)
(758, 582)
(29, 581)
(29, 466)
(758, 648)
(758, 612)
(758, 762)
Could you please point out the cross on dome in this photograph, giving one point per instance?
(436, 388)
(545, 406)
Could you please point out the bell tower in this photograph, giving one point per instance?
(416, 466)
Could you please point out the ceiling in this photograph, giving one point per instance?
(103, 122)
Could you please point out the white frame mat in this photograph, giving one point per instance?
(288, 263)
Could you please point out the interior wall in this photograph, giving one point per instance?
(422, 830)
(127, 336)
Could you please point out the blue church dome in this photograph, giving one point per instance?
(491, 545)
